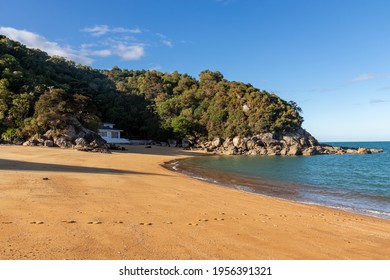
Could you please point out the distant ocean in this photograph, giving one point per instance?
(355, 183)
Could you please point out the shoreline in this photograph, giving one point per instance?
(125, 205)
(260, 186)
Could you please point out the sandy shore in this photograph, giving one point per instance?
(125, 205)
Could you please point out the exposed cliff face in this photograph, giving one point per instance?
(291, 144)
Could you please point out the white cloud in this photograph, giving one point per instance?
(130, 52)
(103, 53)
(126, 30)
(123, 45)
(36, 41)
(167, 43)
(364, 77)
(99, 30)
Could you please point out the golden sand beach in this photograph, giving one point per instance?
(65, 204)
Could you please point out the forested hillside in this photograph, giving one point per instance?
(39, 92)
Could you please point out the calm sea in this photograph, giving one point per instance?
(357, 183)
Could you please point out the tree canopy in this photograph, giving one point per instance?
(39, 92)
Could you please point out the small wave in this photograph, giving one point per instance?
(201, 178)
(378, 213)
(367, 212)
(174, 165)
(244, 188)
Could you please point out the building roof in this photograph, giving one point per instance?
(109, 129)
(106, 125)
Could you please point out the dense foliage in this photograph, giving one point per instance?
(39, 92)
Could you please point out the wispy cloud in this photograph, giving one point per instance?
(376, 101)
(102, 53)
(384, 88)
(36, 41)
(164, 40)
(364, 77)
(99, 30)
(84, 54)
(167, 43)
(123, 47)
(104, 42)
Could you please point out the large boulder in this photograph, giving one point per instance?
(376, 150)
(185, 143)
(227, 143)
(48, 143)
(250, 144)
(70, 133)
(91, 136)
(266, 137)
(81, 142)
(294, 150)
(217, 142)
(231, 150)
(310, 151)
(246, 108)
(236, 141)
(363, 151)
(62, 142)
(172, 142)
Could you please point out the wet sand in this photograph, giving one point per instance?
(65, 204)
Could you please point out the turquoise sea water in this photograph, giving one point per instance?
(357, 183)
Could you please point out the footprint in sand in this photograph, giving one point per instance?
(69, 222)
(145, 224)
(192, 224)
(203, 220)
(118, 222)
(37, 223)
(6, 223)
(219, 219)
(169, 223)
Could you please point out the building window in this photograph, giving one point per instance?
(114, 134)
(103, 134)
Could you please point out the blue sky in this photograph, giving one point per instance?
(331, 57)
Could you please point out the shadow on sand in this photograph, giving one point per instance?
(160, 151)
(6, 164)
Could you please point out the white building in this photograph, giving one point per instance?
(111, 134)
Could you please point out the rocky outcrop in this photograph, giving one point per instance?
(291, 144)
(73, 136)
